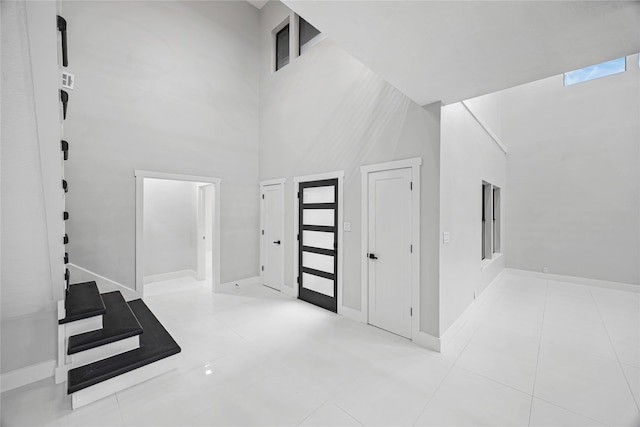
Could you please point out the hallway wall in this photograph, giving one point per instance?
(469, 156)
(166, 87)
(574, 176)
(170, 212)
(324, 112)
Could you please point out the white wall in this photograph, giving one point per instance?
(170, 212)
(208, 215)
(325, 111)
(168, 87)
(468, 156)
(32, 201)
(574, 176)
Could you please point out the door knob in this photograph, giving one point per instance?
(372, 256)
(277, 242)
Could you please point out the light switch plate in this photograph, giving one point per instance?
(346, 226)
(68, 80)
(446, 237)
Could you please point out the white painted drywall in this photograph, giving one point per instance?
(208, 217)
(574, 176)
(468, 156)
(32, 204)
(170, 212)
(324, 112)
(166, 87)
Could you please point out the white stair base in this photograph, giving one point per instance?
(81, 326)
(65, 330)
(121, 382)
(104, 351)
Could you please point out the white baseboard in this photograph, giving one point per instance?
(249, 281)
(289, 291)
(80, 275)
(352, 314)
(628, 287)
(428, 341)
(452, 330)
(169, 276)
(27, 375)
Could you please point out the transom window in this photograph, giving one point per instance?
(603, 69)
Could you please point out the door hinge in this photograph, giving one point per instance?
(263, 232)
(411, 248)
(263, 197)
(411, 186)
(298, 195)
(263, 268)
(298, 280)
(411, 311)
(298, 237)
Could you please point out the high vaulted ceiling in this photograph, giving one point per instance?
(454, 50)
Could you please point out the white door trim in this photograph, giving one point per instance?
(319, 177)
(140, 176)
(281, 182)
(414, 164)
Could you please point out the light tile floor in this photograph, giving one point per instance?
(534, 352)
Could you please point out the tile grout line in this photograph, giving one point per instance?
(624, 375)
(535, 375)
(571, 410)
(424, 408)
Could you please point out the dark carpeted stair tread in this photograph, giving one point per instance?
(118, 322)
(83, 300)
(155, 344)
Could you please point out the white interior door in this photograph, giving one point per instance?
(273, 236)
(389, 250)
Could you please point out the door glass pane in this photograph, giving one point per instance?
(318, 194)
(318, 217)
(317, 239)
(318, 284)
(318, 262)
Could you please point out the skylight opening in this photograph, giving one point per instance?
(596, 71)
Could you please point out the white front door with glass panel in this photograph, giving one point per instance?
(317, 243)
(389, 250)
(272, 236)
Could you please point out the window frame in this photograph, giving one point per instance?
(568, 80)
(309, 44)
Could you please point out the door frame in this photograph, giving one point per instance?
(201, 227)
(414, 164)
(296, 212)
(281, 182)
(140, 175)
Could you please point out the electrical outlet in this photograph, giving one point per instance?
(545, 269)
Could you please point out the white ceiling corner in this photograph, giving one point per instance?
(258, 4)
(455, 50)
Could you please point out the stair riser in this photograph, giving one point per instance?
(121, 382)
(81, 326)
(104, 351)
(64, 332)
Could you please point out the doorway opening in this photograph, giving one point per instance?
(177, 231)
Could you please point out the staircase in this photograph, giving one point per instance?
(109, 344)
